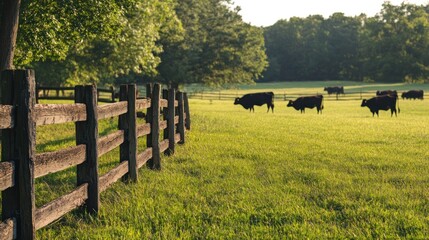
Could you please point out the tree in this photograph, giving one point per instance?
(217, 49)
(8, 31)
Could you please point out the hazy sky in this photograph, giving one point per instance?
(267, 12)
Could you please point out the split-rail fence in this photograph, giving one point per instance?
(20, 164)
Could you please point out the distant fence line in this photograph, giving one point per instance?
(356, 95)
(67, 93)
(20, 164)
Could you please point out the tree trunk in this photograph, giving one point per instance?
(8, 32)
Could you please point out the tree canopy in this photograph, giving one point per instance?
(392, 46)
(111, 41)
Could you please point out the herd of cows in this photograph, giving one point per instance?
(384, 100)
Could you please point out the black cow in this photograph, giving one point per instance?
(248, 101)
(337, 90)
(413, 94)
(383, 102)
(307, 102)
(387, 92)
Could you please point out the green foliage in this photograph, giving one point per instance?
(218, 48)
(390, 47)
(93, 41)
(340, 175)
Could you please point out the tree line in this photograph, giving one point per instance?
(109, 42)
(392, 46)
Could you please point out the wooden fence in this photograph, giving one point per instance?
(20, 165)
(67, 93)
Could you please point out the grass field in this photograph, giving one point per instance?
(340, 175)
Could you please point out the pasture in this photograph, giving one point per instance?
(240, 175)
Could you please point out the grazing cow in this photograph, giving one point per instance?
(387, 92)
(383, 102)
(248, 101)
(307, 102)
(413, 94)
(337, 90)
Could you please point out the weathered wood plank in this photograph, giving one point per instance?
(155, 162)
(162, 125)
(163, 103)
(142, 104)
(7, 175)
(143, 157)
(8, 229)
(143, 130)
(177, 137)
(176, 119)
(112, 110)
(128, 123)
(26, 145)
(181, 124)
(52, 211)
(113, 175)
(187, 112)
(6, 116)
(110, 142)
(87, 133)
(176, 103)
(10, 196)
(163, 145)
(51, 162)
(59, 113)
(170, 121)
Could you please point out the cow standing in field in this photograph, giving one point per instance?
(383, 102)
(248, 101)
(307, 102)
(413, 94)
(337, 90)
(393, 93)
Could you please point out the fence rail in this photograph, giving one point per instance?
(20, 165)
(67, 93)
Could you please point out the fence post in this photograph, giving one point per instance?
(112, 92)
(87, 133)
(127, 122)
(149, 115)
(18, 145)
(165, 112)
(155, 161)
(187, 112)
(10, 205)
(26, 144)
(181, 127)
(170, 121)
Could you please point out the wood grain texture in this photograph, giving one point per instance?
(142, 104)
(51, 162)
(163, 103)
(163, 145)
(8, 229)
(110, 142)
(143, 157)
(143, 130)
(112, 110)
(6, 116)
(59, 113)
(113, 175)
(7, 175)
(52, 211)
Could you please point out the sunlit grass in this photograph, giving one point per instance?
(240, 175)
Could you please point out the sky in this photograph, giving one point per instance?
(267, 12)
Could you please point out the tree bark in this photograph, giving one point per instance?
(8, 32)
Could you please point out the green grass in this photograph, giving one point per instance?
(340, 175)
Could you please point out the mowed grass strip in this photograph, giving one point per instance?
(240, 175)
